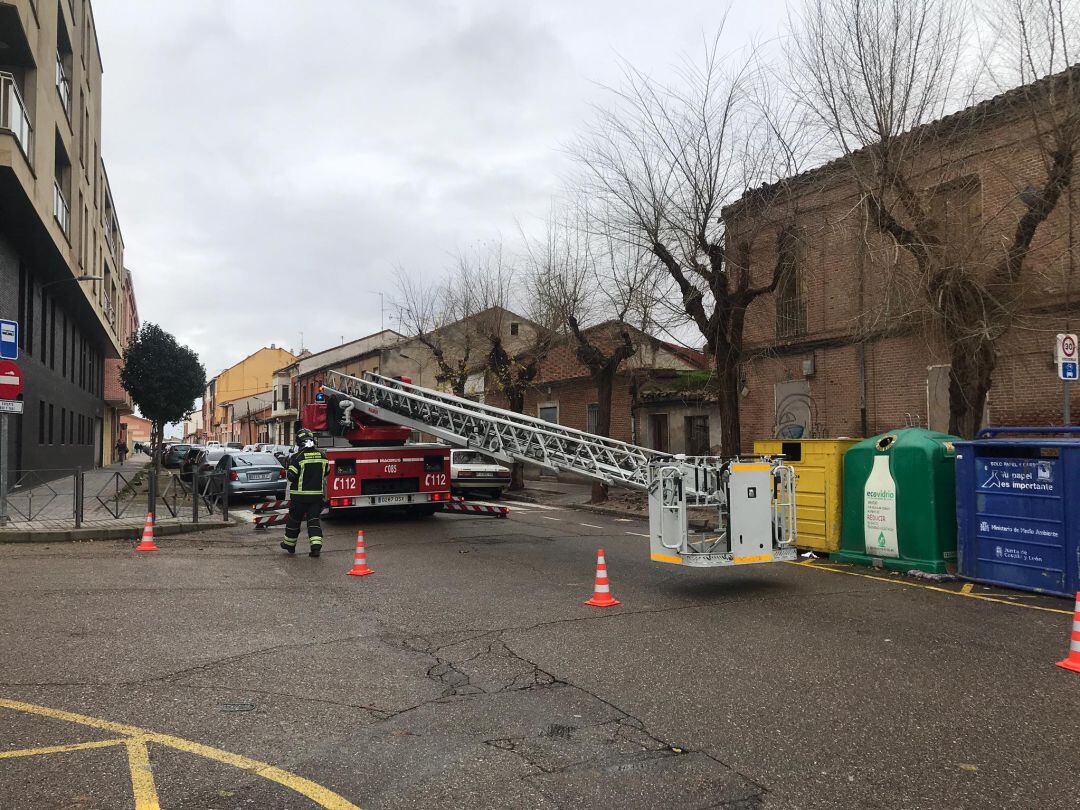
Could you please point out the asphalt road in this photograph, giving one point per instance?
(467, 673)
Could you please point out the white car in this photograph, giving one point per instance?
(472, 471)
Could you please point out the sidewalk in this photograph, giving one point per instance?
(42, 507)
(551, 492)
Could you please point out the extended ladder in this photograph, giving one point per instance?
(753, 499)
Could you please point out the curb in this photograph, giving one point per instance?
(695, 523)
(118, 533)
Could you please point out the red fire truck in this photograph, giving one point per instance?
(372, 464)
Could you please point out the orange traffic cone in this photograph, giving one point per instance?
(360, 567)
(1072, 660)
(602, 590)
(147, 543)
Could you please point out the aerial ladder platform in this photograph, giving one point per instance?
(749, 501)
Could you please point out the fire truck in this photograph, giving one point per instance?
(372, 462)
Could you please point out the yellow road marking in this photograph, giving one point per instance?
(967, 587)
(60, 749)
(142, 777)
(983, 597)
(305, 787)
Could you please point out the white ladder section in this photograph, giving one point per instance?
(752, 499)
(503, 434)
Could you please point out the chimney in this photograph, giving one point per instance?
(273, 345)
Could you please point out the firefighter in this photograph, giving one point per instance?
(306, 470)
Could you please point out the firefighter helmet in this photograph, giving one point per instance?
(305, 438)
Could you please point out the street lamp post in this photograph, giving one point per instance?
(73, 278)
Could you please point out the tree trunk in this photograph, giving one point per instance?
(605, 386)
(727, 373)
(970, 378)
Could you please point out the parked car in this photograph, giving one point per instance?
(248, 475)
(173, 454)
(472, 471)
(234, 445)
(206, 462)
(187, 463)
(213, 444)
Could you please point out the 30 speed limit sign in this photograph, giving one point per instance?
(1065, 354)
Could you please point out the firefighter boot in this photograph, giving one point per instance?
(289, 545)
(316, 547)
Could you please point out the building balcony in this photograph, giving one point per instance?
(13, 115)
(63, 85)
(61, 210)
(282, 409)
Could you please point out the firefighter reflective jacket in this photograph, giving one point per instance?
(307, 471)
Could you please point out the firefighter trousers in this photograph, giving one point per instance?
(304, 509)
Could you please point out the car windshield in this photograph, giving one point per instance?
(255, 459)
(472, 457)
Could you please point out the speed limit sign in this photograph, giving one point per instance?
(1066, 347)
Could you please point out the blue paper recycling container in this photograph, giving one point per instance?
(1018, 509)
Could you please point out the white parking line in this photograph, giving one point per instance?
(592, 526)
(637, 534)
(623, 520)
(545, 517)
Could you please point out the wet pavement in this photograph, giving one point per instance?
(221, 673)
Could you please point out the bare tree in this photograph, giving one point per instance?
(660, 163)
(441, 317)
(584, 280)
(880, 76)
(512, 361)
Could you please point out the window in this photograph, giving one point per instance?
(697, 435)
(63, 343)
(592, 418)
(52, 337)
(71, 426)
(514, 326)
(549, 412)
(658, 425)
(82, 429)
(41, 422)
(956, 209)
(44, 327)
(52, 424)
(24, 287)
(63, 426)
(790, 301)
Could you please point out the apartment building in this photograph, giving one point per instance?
(252, 375)
(62, 272)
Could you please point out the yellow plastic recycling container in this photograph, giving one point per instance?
(819, 486)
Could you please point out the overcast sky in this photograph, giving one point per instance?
(272, 161)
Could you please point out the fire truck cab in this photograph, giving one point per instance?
(372, 463)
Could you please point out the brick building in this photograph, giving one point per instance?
(650, 403)
(836, 350)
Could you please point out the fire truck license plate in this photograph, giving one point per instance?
(393, 499)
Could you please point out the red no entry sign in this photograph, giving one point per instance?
(11, 380)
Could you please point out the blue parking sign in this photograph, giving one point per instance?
(1069, 369)
(9, 340)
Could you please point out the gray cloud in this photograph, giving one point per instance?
(273, 160)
